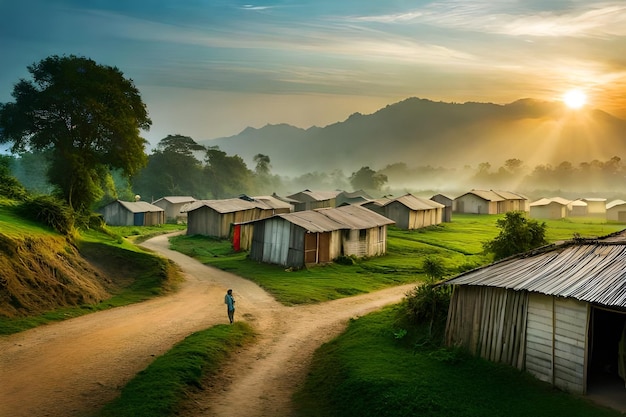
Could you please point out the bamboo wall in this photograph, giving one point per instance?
(490, 322)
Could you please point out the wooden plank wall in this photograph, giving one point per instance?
(556, 341)
(489, 322)
(571, 329)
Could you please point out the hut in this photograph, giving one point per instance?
(490, 202)
(558, 312)
(216, 217)
(578, 208)
(616, 211)
(411, 212)
(448, 203)
(596, 207)
(309, 237)
(547, 208)
(132, 213)
(311, 200)
(355, 197)
(173, 206)
(377, 205)
(477, 202)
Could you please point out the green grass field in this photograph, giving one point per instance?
(458, 244)
(370, 371)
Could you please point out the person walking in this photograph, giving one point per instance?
(229, 300)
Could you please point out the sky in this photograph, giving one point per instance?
(211, 68)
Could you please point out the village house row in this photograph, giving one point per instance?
(558, 312)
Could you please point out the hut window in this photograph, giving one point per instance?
(381, 234)
(362, 234)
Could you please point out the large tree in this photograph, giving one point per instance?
(88, 115)
(228, 176)
(367, 179)
(172, 169)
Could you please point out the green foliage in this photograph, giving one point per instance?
(367, 179)
(172, 169)
(227, 176)
(10, 187)
(86, 115)
(158, 390)
(518, 234)
(346, 260)
(366, 372)
(49, 211)
(428, 304)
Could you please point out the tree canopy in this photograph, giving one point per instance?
(172, 169)
(367, 179)
(518, 234)
(87, 115)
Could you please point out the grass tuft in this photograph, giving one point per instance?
(158, 390)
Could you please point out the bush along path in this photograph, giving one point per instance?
(74, 368)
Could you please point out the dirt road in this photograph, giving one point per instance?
(72, 368)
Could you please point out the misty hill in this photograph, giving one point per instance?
(421, 132)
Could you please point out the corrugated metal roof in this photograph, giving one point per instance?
(356, 217)
(548, 201)
(561, 200)
(273, 202)
(316, 195)
(417, 203)
(312, 221)
(139, 206)
(487, 195)
(615, 203)
(541, 202)
(508, 195)
(592, 272)
(176, 199)
(228, 205)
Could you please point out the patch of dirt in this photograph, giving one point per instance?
(72, 368)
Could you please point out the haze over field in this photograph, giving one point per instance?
(212, 69)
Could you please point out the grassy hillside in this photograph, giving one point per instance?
(45, 276)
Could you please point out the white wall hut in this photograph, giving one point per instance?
(311, 200)
(132, 213)
(558, 312)
(410, 212)
(616, 211)
(172, 205)
(319, 236)
(216, 217)
(596, 207)
(547, 208)
(578, 208)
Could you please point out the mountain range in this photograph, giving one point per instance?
(421, 132)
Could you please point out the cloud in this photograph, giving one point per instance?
(586, 19)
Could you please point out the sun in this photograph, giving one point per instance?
(575, 99)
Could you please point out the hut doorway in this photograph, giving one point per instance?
(605, 381)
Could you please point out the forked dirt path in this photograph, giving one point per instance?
(72, 368)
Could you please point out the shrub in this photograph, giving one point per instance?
(50, 211)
